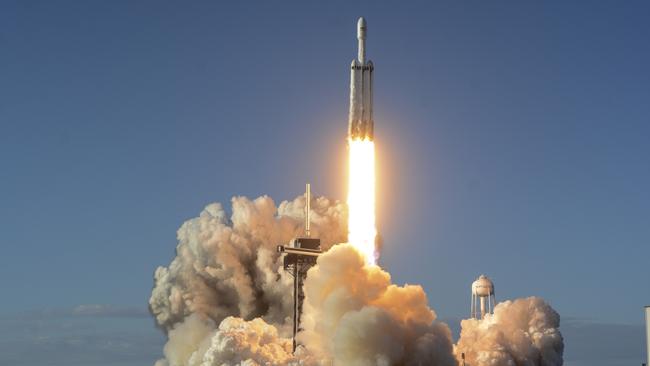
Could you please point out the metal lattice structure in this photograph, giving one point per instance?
(299, 256)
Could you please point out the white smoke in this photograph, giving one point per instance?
(187, 341)
(520, 332)
(225, 300)
(254, 342)
(234, 342)
(229, 267)
(354, 315)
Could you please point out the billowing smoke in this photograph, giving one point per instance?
(225, 300)
(197, 342)
(520, 332)
(354, 315)
(229, 266)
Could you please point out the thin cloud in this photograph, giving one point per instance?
(95, 336)
(102, 310)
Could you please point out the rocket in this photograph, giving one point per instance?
(361, 125)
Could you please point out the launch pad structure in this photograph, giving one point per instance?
(299, 256)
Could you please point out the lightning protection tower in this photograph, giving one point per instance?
(299, 256)
(483, 299)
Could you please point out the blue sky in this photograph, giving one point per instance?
(512, 140)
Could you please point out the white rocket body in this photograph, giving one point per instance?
(361, 124)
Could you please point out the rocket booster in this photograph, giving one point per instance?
(361, 125)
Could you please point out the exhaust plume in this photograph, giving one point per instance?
(362, 232)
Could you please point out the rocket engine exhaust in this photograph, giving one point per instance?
(362, 231)
(361, 198)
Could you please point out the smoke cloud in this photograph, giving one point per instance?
(225, 300)
(520, 332)
(354, 315)
(229, 266)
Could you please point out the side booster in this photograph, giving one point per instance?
(361, 124)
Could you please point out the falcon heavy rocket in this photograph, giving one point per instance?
(361, 125)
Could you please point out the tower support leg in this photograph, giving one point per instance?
(296, 316)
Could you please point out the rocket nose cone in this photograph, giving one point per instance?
(361, 28)
(361, 23)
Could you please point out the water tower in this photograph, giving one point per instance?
(483, 300)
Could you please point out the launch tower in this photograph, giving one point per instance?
(299, 256)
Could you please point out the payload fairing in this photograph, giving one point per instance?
(361, 125)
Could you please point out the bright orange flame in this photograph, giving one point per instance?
(361, 198)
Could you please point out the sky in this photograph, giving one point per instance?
(512, 140)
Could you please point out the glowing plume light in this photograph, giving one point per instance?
(361, 198)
